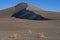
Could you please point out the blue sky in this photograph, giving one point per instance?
(49, 5)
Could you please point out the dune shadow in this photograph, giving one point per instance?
(27, 14)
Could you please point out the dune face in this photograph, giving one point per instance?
(21, 23)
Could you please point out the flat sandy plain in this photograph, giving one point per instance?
(29, 29)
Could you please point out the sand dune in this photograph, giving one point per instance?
(8, 12)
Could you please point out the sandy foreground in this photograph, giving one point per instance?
(20, 29)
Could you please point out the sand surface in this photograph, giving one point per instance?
(29, 29)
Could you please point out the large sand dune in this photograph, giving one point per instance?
(8, 12)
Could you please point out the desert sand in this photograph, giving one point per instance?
(24, 29)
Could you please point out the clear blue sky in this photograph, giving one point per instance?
(50, 5)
